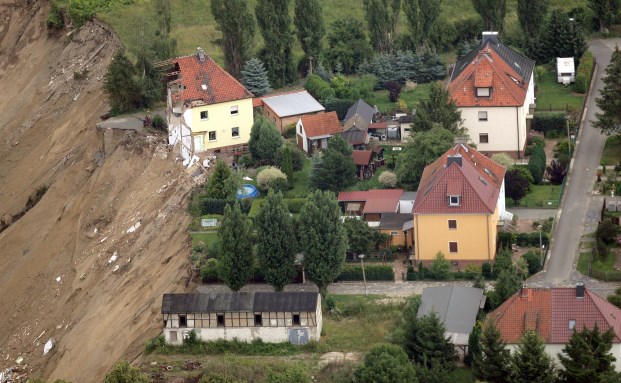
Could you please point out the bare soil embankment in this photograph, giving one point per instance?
(56, 280)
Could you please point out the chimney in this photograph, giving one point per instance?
(454, 158)
(201, 54)
(489, 36)
(580, 290)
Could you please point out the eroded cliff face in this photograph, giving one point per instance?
(56, 280)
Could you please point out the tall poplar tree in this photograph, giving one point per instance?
(308, 20)
(382, 17)
(493, 364)
(237, 26)
(530, 363)
(323, 238)
(609, 102)
(492, 12)
(421, 15)
(604, 11)
(277, 54)
(235, 255)
(275, 247)
(532, 14)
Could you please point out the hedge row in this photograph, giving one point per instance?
(505, 240)
(537, 163)
(294, 204)
(425, 274)
(216, 206)
(547, 122)
(372, 273)
(319, 88)
(584, 72)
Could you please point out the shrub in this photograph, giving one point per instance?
(271, 178)
(372, 273)
(505, 239)
(388, 179)
(297, 157)
(155, 343)
(55, 18)
(503, 159)
(79, 11)
(440, 267)
(159, 123)
(607, 231)
(220, 378)
(318, 88)
(486, 270)
(338, 105)
(531, 239)
(289, 131)
(472, 270)
(536, 140)
(533, 262)
(537, 163)
(549, 122)
(288, 374)
(210, 271)
(584, 72)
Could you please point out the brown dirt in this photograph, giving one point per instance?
(95, 315)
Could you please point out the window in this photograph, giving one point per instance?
(483, 138)
(483, 115)
(234, 110)
(183, 321)
(173, 336)
(296, 319)
(212, 136)
(572, 324)
(204, 115)
(394, 233)
(452, 247)
(454, 200)
(483, 92)
(235, 132)
(220, 320)
(258, 320)
(452, 224)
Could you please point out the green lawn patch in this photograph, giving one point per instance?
(604, 264)
(300, 181)
(461, 375)
(583, 262)
(206, 238)
(612, 151)
(554, 96)
(410, 96)
(543, 196)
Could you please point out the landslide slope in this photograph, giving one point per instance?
(56, 281)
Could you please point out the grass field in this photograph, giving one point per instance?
(206, 238)
(300, 181)
(410, 96)
(545, 196)
(554, 96)
(612, 151)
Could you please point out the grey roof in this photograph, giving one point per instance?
(239, 301)
(518, 62)
(293, 104)
(457, 306)
(355, 136)
(408, 196)
(362, 109)
(395, 220)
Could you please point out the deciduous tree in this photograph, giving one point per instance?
(235, 252)
(438, 110)
(382, 17)
(308, 20)
(421, 16)
(277, 54)
(254, 77)
(120, 84)
(492, 12)
(609, 102)
(386, 363)
(275, 241)
(359, 235)
(604, 11)
(517, 183)
(530, 363)
(532, 14)
(347, 45)
(323, 238)
(237, 26)
(493, 364)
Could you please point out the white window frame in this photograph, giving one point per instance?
(206, 115)
(456, 203)
(233, 132)
(394, 233)
(234, 110)
(215, 136)
(456, 247)
(484, 92)
(449, 224)
(481, 135)
(482, 115)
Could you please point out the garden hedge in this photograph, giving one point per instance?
(584, 72)
(294, 204)
(372, 273)
(216, 206)
(425, 274)
(549, 122)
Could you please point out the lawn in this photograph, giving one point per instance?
(544, 196)
(206, 238)
(300, 181)
(612, 151)
(410, 96)
(583, 262)
(554, 96)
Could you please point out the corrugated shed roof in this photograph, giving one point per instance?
(206, 81)
(361, 157)
(322, 124)
(548, 311)
(478, 181)
(293, 103)
(456, 306)
(361, 109)
(396, 221)
(239, 301)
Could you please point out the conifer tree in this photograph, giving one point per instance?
(609, 102)
(425, 341)
(530, 363)
(216, 184)
(587, 357)
(277, 54)
(237, 26)
(323, 238)
(561, 37)
(386, 363)
(120, 84)
(439, 110)
(493, 364)
(275, 247)
(335, 169)
(308, 20)
(235, 241)
(287, 163)
(254, 77)
(474, 345)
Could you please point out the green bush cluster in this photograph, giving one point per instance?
(55, 18)
(537, 163)
(426, 274)
(294, 205)
(549, 123)
(584, 72)
(79, 11)
(202, 206)
(319, 88)
(372, 272)
(533, 262)
(221, 347)
(338, 105)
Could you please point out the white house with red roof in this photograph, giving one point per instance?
(459, 204)
(494, 88)
(554, 313)
(314, 130)
(208, 110)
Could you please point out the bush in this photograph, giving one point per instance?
(158, 122)
(549, 122)
(55, 18)
(388, 179)
(319, 88)
(271, 178)
(440, 267)
(210, 271)
(294, 373)
(338, 105)
(584, 72)
(531, 239)
(155, 343)
(219, 378)
(533, 262)
(486, 270)
(472, 271)
(537, 164)
(372, 273)
(505, 239)
(297, 157)
(536, 140)
(79, 11)
(503, 159)
(289, 131)
(607, 231)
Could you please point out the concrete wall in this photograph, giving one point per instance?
(222, 123)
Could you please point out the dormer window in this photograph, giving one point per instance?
(483, 92)
(454, 200)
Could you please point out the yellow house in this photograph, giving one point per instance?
(460, 199)
(208, 110)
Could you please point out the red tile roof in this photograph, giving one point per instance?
(477, 181)
(378, 125)
(548, 311)
(206, 81)
(361, 157)
(376, 201)
(489, 70)
(257, 102)
(321, 124)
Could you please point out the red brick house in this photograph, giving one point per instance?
(285, 109)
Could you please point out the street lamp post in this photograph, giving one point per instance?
(539, 227)
(364, 277)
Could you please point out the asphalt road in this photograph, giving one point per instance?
(575, 205)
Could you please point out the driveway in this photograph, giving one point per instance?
(573, 214)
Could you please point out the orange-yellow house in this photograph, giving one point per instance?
(460, 199)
